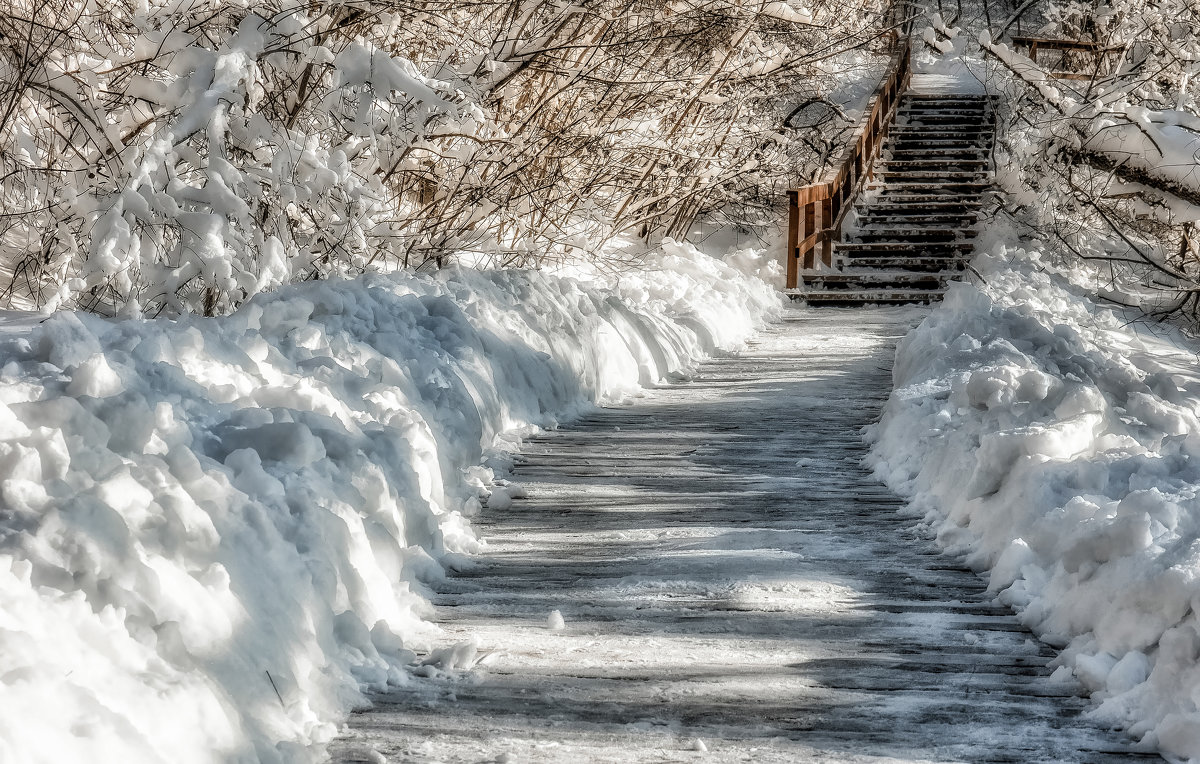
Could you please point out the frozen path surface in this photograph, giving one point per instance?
(728, 572)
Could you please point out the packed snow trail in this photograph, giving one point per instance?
(729, 578)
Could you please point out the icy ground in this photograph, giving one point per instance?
(212, 531)
(711, 574)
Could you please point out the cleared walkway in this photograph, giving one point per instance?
(735, 587)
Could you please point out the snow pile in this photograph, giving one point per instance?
(213, 531)
(1057, 443)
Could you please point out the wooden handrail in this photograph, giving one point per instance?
(816, 212)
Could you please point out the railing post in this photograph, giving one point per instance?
(827, 223)
(794, 238)
(810, 225)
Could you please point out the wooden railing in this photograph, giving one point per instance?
(816, 212)
(1102, 61)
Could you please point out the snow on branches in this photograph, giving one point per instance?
(1114, 148)
(159, 156)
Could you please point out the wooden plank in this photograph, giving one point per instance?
(792, 259)
(812, 193)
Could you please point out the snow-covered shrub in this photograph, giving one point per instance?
(1107, 167)
(164, 157)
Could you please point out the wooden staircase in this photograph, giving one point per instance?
(914, 223)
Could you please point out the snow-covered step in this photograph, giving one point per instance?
(940, 122)
(940, 142)
(918, 263)
(919, 215)
(932, 187)
(970, 160)
(910, 234)
(927, 110)
(849, 297)
(922, 203)
(935, 159)
(865, 276)
(912, 248)
(903, 132)
(943, 154)
(886, 175)
(876, 199)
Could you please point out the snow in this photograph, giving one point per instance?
(1162, 144)
(213, 532)
(1056, 442)
(788, 12)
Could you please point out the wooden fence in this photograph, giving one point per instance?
(1088, 55)
(816, 212)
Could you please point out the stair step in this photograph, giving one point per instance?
(916, 205)
(956, 185)
(911, 196)
(902, 132)
(921, 241)
(905, 134)
(901, 226)
(969, 157)
(909, 233)
(959, 113)
(961, 110)
(874, 277)
(949, 103)
(873, 219)
(875, 208)
(945, 153)
(974, 163)
(967, 136)
(974, 200)
(947, 97)
(866, 296)
(941, 123)
(938, 264)
(949, 209)
(906, 191)
(935, 146)
(901, 176)
(915, 248)
(902, 129)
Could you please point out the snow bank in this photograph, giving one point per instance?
(1057, 444)
(212, 531)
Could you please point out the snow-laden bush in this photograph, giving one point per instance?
(159, 156)
(1107, 167)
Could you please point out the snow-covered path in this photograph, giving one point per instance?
(729, 573)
